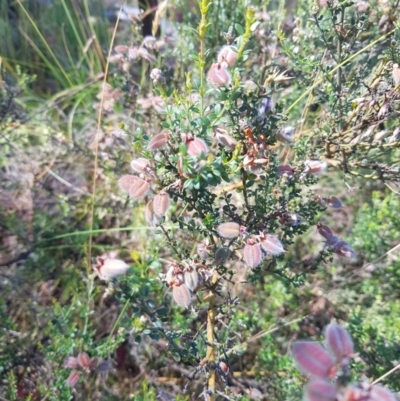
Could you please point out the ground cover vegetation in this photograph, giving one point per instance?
(207, 212)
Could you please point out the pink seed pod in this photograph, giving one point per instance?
(94, 362)
(285, 135)
(204, 250)
(325, 231)
(271, 244)
(286, 171)
(196, 147)
(396, 74)
(71, 362)
(108, 269)
(159, 141)
(332, 241)
(379, 393)
(141, 165)
(252, 254)
(334, 202)
(139, 189)
(218, 75)
(227, 56)
(122, 49)
(314, 360)
(84, 360)
(73, 378)
(161, 204)
(126, 181)
(339, 342)
(224, 139)
(315, 167)
(228, 230)
(181, 294)
(320, 390)
(191, 278)
(342, 248)
(151, 218)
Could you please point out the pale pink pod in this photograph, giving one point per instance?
(228, 230)
(314, 360)
(227, 56)
(73, 378)
(286, 170)
(339, 342)
(151, 218)
(191, 278)
(285, 135)
(121, 49)
(252, 254)
(161, 204)
(110, 268)
(332, 241)
(218, 75)
(170, 276)
(224, 139)
(396, 74)
(325, 231)
(221, 255)
(159, 141)
(315, 167)
(126, 181)
(71, 362)
(271, 244)
(342, 248)
(379, 393)
(320, 390)
(196, 147)
(139, 189)
(84, 360)
(141, 165)
(181, 294)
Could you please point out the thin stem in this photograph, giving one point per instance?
(204, 7)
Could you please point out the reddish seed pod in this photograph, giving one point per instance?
(196, 147)
(71, 362)
(84, 360)
(339, 342)
(141, 165)
(126, 181)
(151, 218)
(121, 49)
(312, 359)
(252, 254)
(271, 244)
(224, 367)
(181, 294)
(320, 390)
(161, 204)
(228, 230)
(325, 231)
(334, 202)
(139, 189)
(158, 142)
(73, 378)
(342, 248)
